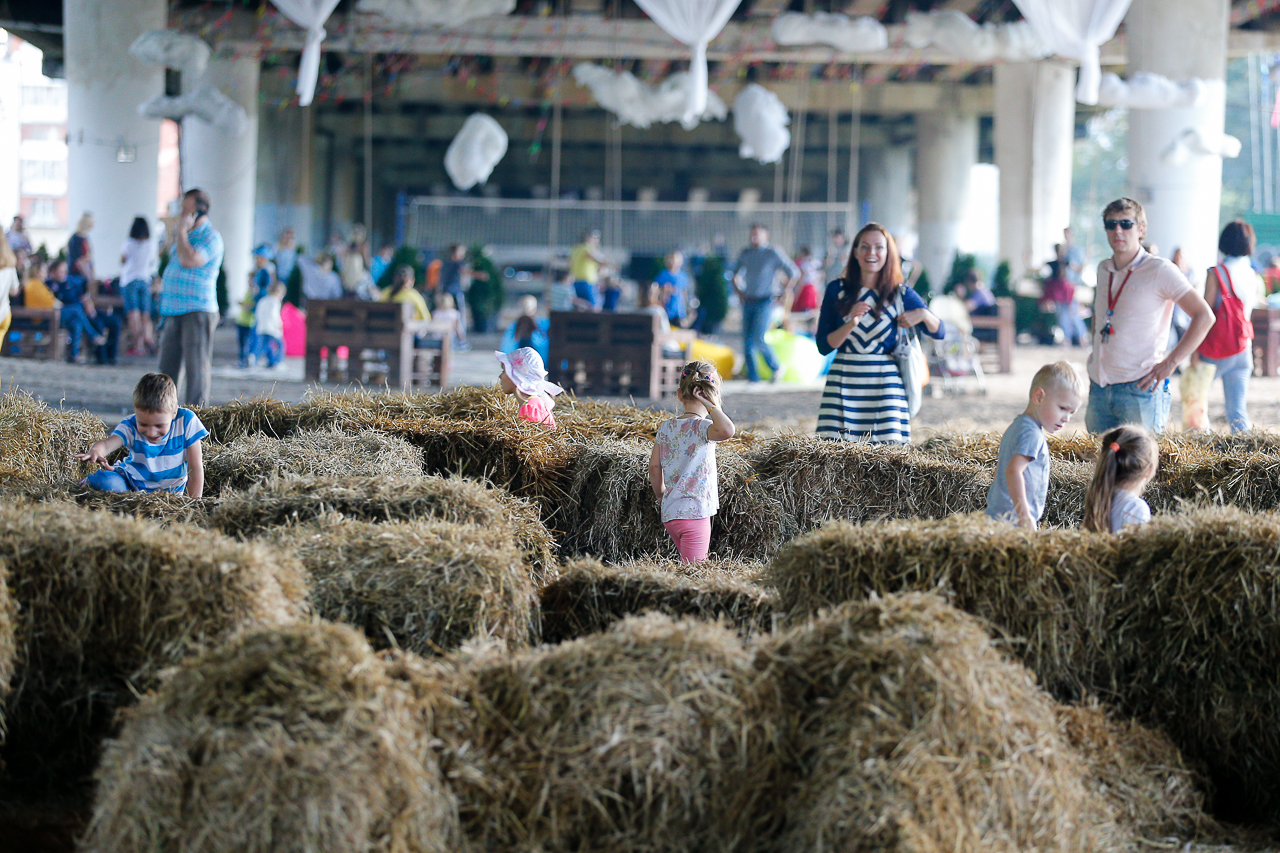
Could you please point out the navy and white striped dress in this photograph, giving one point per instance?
(864, 399)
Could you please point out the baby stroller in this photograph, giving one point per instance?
(954, 359)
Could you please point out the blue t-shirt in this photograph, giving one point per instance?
(677, 302)
(161, 466)
(1024, 437)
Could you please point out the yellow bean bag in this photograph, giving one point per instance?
(718, 354)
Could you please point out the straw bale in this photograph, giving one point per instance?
(908, 730)
(161, 507)
(292, 739)
(1049, 593)
(262, 414)
(588, 596)
(638, 739)
(37, 442)
(421, 585)
(327, 451)
(403, 497)
(107, 602)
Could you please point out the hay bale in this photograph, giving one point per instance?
(588, 596)
(105, 603)
(261, 415)
(403, 497)
(421, 585)
(163, 508)
(294, 739)
(907, 730)
(37, 442)
(324, 452)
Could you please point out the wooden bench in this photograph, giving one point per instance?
(379, 342)
(998, 353)
(1266, 341)
(615, 355)
(34, 333)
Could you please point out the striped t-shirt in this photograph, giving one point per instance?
(161, 466)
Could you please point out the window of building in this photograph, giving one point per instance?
(44, 213)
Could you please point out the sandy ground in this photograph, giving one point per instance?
(106, 390)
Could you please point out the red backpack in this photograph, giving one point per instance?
(1232, 330)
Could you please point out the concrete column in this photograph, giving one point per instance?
(284, 190)
(225, 166)
(946, 152)
(112, 152)
(1035, 114)
(1181, 200)
(886, 186)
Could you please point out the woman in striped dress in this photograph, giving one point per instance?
(864, 399)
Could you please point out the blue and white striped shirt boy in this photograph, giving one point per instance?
(161, 466)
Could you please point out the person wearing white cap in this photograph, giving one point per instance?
(524, 376)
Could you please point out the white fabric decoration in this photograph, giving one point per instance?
(1075, 29)
(761, 120)
(640, 104)
(851, 35)
(695, 23)
(205, 102)
(310, 15)
(172, 49)
(1147, 91)
(474, 152)
(444, 12)
(1192, 142)
(954, 32)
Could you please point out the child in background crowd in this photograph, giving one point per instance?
(163, 443)
(246, 339)
(1127, 463)
(682, 467)
(447, 316)
(524, 376)
(1021, 484)
(526, 325)
(268, 325)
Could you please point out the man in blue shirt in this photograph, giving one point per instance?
(189, 299)
(755, 281)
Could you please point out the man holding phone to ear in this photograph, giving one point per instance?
(189, 300)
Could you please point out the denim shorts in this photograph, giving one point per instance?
(1126, 403)
(137, 296)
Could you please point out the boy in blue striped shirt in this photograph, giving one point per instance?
(163, 442)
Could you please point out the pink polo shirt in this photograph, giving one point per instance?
(1140, 324)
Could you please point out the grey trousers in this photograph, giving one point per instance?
(186, 354)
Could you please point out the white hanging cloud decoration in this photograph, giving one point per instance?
(202, 99)
(1075, 29)
(443, 12)
(761, 120)
(641, 104)
(859, 35)
(310, 15)
(954, 32)
(1147, 91)
(473, 153)
(1192, 142)
(695, 23)
(863, 34)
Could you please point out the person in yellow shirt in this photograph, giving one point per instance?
(35, 293)
(585, 264)
(402, 290)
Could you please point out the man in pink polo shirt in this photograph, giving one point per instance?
(1128, 368)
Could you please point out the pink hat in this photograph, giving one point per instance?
(524, 368)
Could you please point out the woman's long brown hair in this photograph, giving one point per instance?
(887, 282)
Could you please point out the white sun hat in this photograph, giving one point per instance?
(524, 368)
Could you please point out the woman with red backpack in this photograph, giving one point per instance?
(1232, 289)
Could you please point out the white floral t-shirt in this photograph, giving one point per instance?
(688, 462)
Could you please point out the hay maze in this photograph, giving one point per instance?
(418, 624)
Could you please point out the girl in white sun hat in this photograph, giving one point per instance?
(524, 376)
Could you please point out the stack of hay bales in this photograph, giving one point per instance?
(588, 596)
(297, 739)
(262, 415)
(37, 443)
(106, 603)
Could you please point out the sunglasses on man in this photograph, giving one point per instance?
(1113, 224)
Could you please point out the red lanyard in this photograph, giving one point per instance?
(1112, 300)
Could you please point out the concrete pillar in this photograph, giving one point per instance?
(225, 166)
(1181, 200)
(886, 186)
(947, 150)
(1034, 130)
(284, 184)
(112, 152)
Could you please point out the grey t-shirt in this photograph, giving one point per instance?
(759, 266)
(1127, 508)
(1024, 437)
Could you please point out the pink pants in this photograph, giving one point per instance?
(692, 537)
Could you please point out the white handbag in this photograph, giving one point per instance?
(909, 357)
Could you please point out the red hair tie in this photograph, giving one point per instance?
(1115, 448)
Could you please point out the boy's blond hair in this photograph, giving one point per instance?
(1060, 376)
(155, 392)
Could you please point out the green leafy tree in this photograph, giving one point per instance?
(487, 294)
(960, 268)
(1000, 284)
(923, 286)
(406, 256)
(712, 293)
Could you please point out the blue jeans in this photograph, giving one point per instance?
(108, 480)
(755, 322)
(1070, 322)
(586, 291)
(137, 296)
(1234, 373)
(270, 350)
(247, 338)
(1126, 403)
